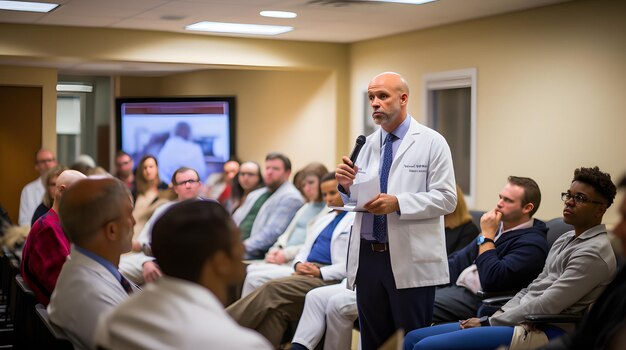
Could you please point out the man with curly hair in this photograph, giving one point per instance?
(580, 265)
(603, 327)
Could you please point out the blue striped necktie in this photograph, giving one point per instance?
(126, 285)
(380, 221)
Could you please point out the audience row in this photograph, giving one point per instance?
(101, 239)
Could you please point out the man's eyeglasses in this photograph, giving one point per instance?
(578, 198)
(247, 174)
(187, 182)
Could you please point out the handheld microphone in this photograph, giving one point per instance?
(360, 141)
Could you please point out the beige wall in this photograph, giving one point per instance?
(287, 111)
(551, 85)
(47, 79)
(288, 83)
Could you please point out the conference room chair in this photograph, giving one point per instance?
(48, 335)
(24, 317)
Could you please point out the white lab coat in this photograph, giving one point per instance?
(174, 314)
(338, 245)
(422, 178)
(31, 197)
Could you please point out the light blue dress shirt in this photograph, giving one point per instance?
(367, 223)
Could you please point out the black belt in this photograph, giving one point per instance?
(377, 246)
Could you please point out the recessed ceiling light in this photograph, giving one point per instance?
(27, 6)
(239, 28)
(410, 2)
(278, 14)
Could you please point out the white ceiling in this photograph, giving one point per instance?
(318, 20)
(354, 21)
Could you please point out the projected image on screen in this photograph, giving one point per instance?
(195, 134)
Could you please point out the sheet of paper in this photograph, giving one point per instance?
(363, 192)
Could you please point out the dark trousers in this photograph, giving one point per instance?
(454, 303)
(382, 307)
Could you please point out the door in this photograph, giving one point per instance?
(20, 139)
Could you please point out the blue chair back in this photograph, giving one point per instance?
(556, 227)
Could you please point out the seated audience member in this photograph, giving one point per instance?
(267, 212)
(97, 216)
(150, 193)
(139, 265)
(603, 326)
(98, 172)
(124, 166)
(199, 249)
(297, 181)
(459, 228)
(84, 163)
(322, 261)
(219, 185)
(248, 179)
(507, 256)
(580, 265)
(278, 258)
(331, 310)
(47, 247)
(33, 191)
(50, 182)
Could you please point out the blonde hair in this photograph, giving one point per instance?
(461, 214)
(52, 173)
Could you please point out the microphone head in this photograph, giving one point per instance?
(360, 140)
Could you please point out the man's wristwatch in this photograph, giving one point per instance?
(480, 240)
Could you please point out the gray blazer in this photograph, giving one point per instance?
(84, 291)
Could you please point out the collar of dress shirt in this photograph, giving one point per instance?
(527, 224)
(400, 131)
(102, 261)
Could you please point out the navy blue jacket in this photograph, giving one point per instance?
(517, 260)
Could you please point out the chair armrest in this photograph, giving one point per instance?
(56, 331)
(539, 318)
(497, 301)
(484, 295)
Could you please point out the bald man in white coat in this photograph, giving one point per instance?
(397, 249)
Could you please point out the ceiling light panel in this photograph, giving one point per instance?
(278, 14)
(238, 28)
(408, 2)
(27, 6)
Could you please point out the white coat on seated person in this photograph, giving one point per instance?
(282, 243)
(194, 318)
(131, 263)
(338, 244)
(329, 310)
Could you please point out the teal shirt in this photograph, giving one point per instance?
(298, 235)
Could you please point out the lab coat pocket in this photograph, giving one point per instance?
(426, 242)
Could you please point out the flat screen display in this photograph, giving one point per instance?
(197, 132)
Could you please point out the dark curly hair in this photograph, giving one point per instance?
(600, 181)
